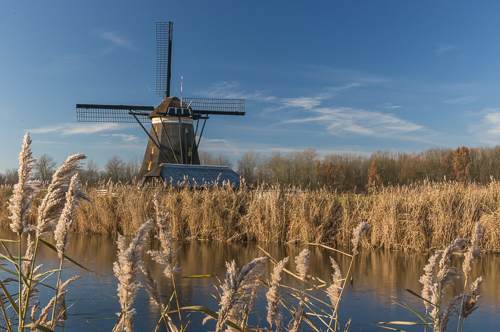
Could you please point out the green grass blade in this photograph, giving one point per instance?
(391, 328)
(10, 298)
(213, 314)
(200, 276)
(397, 322)
(417, 295)
(8, 271)
(51, 246)
(5, 240)
(39, 327)
(422, 317)
(117, 322)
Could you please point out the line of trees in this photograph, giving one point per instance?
(349, 172)
(304, 169)
(116, 169)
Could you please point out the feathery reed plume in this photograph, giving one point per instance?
(302, 261)
(427, 279)
(236, 287)
(447, 313)
(272, 295)
(335, 288)
(62, 230)
(167, 255)
(445, 277)
(470, 300)
(279, 321)
(358, 233)
(434, 291)
(474, 251)
(152, 286)
(53, 203)
(127, 270)
(28, 256)
(26, 268)
(297, 316)
(66, 219)
(44, 315)
(453, 247)
(24, 190)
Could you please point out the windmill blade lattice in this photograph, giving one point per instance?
(164, 32)
(112, 113)
(206, 106)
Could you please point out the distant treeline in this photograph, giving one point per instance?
(304, 169)
(349, 172)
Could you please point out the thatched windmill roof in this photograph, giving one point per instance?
(163, 107)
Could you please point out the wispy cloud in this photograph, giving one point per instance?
(463, 100)
(358, 121)
(124, 137)
(390, 106)
(302, 102)
(232, 90)
(443, 48)
(115, 39)
(341, 75)
(78, 128)
(487, 129)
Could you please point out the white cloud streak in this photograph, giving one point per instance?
(66, 129)
(443, 48)
(487, 130)
(358, 121)
(115, 39)
(390, 106)
(463, 100)
(124, 137)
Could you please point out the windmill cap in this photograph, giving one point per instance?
(163, 107)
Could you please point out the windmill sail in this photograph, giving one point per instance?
(164, 32)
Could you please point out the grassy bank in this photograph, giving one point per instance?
(407, 217)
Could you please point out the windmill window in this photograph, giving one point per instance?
(171, 111)
(185, 112)
(189, 151)
(156, 128)
(152, 150)
(187, 131)
(149, 166)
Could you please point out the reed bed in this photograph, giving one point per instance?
(229, 212)
(415, 217)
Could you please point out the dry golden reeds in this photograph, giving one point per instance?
(427, 216)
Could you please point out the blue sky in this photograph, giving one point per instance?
(338, 76)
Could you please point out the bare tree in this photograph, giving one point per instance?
(11, 176)
(207, 158)
(247, 167)
(114, 169)
(131, 169)
(44, 167)
(92, 174)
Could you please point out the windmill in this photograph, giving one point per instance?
(173, 138)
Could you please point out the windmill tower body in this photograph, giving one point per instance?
(172, 137)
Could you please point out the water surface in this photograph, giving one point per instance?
(378, 277)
